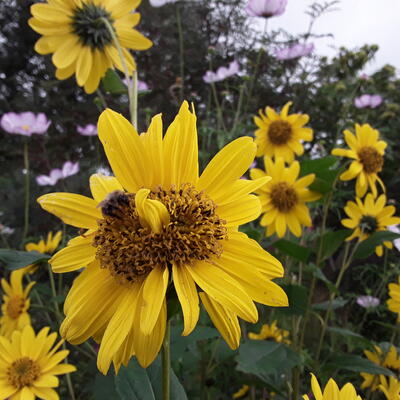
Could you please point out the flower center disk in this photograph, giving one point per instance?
(88, 24)
(130, 250)
(371, 160)
(283, 197)
(15, 306)
(368, 224)
(23, 372)
(279, 132)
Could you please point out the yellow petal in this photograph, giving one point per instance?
(241, 211)
(83, 65)
(133, 39)
(102, 185)
(68, 52)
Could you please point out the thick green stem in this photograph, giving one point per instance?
(131, 83)
(181, 54)
(166, 363)
(27, 190)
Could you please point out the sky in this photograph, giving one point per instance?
(356, 22)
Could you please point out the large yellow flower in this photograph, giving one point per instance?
(271, 332)
(370, 216)
(332, 391)
(284, 197)
(29, 365)
(281, 135)
(15, 304)
(389, 360)
(75, 32)
(394, 301)
(157, 222)
(367, 151)
(47, 246)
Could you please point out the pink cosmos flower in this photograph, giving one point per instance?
(368, 101)
(222, 73)
(367, 301)
(87, 130)
(395, 229)
(26, 123)
(142, 86)
(266, 8)
(295, 51)
(68, 169)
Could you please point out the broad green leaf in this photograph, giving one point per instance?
(14, 259)
(345, 332)
(298, 299)
(333, 305)
(294, 250)
(252, 233)
(331, 241)
(104, 388)
(367, 247)
(317, 165)
(113, 84)
(320, 275)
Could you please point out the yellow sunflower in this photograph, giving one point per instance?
(155, 225)
(75, 32)
(389, 360)
(370, 216)
(281, 135)
(390, 387)
(394, 301)
(367, 151)
(47, 246)
(29, 365)
(271, 332)
(284, 197)
(332, 391)
(241, 392)
(15, 304)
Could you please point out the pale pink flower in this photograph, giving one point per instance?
(368, 101)
(142, 86)
(25, 123)
(160, 3)
(364, 76)
(367, 301)
(87, 130)
(51, 179)
(69, 168)
(222, 73)
(395, 229)
(266, 8)
(295, 51)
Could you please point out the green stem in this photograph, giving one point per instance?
(27, 190)
(166, 363)
(40, 302)
(102, 98)
(219, 109)
(132, 92)
(238, 110)
(181, 54)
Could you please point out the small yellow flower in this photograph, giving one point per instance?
(283, 198)
(15, 304)
(241, 392)
(394, 301)
(367, 151)
(281, 135)
(74, 31)
(389, 360)
(29, 365)
(390, 387)
(370, 216)
(332, 391)
(271, 332)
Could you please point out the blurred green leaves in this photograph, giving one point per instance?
(14, 259)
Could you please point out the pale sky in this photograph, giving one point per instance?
(357, 22)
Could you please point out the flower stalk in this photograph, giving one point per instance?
(166, 362)
(27, 190)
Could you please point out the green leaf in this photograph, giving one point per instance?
(317, 165)
(104, 388)
(252, 233)
(136, 383)
(321, 276)
(331, 241)
(14, 259)
(367, 247)
(333, 305)
(113, 84)
(345, 332)
(358, 364)
(298, 300)
(294, 250)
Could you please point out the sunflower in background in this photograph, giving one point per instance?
(369, 216)
(158, 222)
(15, 304)
(366, 151)
(241, 392)
(281, 135)
(29, 365)
(394, 302)
(81, 43)
(284, 197)
(390, 387)
(47, 246)
(271, 332)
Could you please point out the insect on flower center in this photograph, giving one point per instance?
(283, 197)
(368, 224)
(23, 372)
(15, 306)
(279, 132)
(371, 160)
(130, 249)
(88, 24)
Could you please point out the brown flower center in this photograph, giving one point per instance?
(283, 197)
(23, 372)
(130, 250)
(371, 160)
(368, 224)
(15, 306)
(279, 132)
